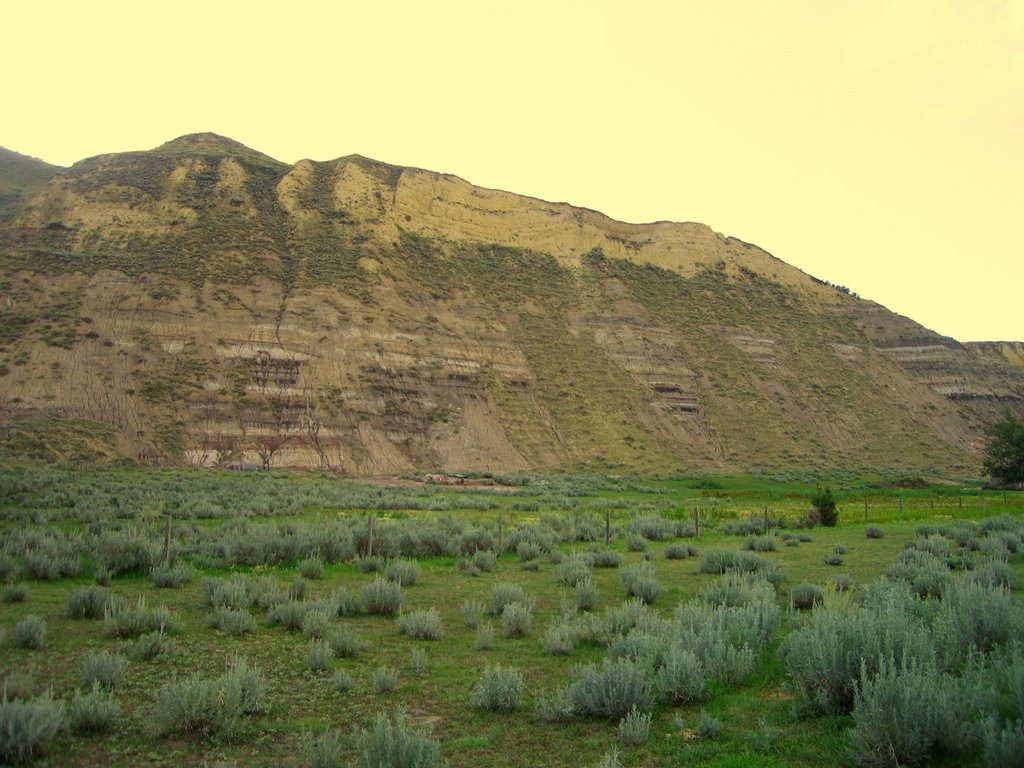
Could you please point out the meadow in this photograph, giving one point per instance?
(194, 618)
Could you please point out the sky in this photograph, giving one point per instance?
(877, 144)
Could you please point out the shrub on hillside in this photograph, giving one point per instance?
(500, 689)
(27, 728)
(612, 690)
(381, 597)
(387, 745)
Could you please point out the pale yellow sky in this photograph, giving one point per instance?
(873, 143)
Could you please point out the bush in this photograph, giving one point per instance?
(500, 689)
(517, 619)
(289, 614)
(607, 558)
(316, 623)
(681, 678)
(123, 620)
(170, 577)
(574, 569)
(344, 643)
(405, 572)
(760, 543)
(503, 594)
(323, 751)
(559, 638)
(395, 746)
(418, 661)
(994, 574)
(586, 595)
(833, 560)
(27, 728)
(15, 593)
(825, 505)
(721, 560)
(484, 636)
(311, 568)
(30, 633)
(805, 596)
(150, 645)
(635, 728)
(347, 603)
(612, 690)
(89, 602)
(421, 624)
(381, 597)
(342, 681)
(298, 588)
(823, 657)
(232, 622)
(103, 668)
(93, 712)
(635, 542)
(873, 532)
(472, 612)
(385, 679)
(903, 713)
(641, 581)
(213, 708)
(484, 560)
(319, 654)
(554, 707)
(709, 727)
(1003, 746)
(677, 551)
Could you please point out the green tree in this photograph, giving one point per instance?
(825, 503)
(1004, 452)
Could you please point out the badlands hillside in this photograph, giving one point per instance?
(203, 303)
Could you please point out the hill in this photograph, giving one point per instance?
(216, 306)
(20, 177)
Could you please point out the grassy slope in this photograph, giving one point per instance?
(299, 699)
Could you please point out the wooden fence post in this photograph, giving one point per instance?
(167, 540)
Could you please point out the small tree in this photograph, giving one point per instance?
(1004, 452)
(825, 503)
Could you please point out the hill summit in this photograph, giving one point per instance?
(204, 303)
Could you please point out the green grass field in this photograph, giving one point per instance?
(758, 723)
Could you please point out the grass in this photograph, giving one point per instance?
(300, 700)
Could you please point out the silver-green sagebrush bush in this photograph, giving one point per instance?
(316, 623)
(93, 711)
(381, 597)
(319, 655)
(311, 568)
(28, 727)
(681, 678)
(323, 751)
(421, 624)
(30, 633)
(641, 580)
(89, 602)
(587, 594)
(102, 668)
(611, 690)
(214, 708)
(517, 619)
(395, 745)
(500, 689)
(170, 576)
(231, 621)
(344, 642)
(502, 594)
(385, 679)
(635, 728)
(904, 712)
(405, 572)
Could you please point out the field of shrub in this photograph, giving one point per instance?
(205, 619)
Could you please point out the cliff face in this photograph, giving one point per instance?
(214, 306)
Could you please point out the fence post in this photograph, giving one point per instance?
(167, 541)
